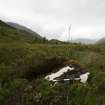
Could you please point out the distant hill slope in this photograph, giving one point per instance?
(101, 41)
(10, 33)
(84, 41)
(24, 28)
(55, 41)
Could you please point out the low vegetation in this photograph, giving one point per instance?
(23, 66)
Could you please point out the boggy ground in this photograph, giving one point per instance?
(22, 83)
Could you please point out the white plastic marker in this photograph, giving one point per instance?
(84, 77)
(59, 73)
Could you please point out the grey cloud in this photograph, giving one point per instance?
(50, 17)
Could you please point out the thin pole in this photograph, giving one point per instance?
(69, 33)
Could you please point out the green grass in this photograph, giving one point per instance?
(18, 58)
(24, 61)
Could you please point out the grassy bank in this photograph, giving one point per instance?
(20, 59)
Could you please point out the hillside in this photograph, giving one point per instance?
(24, 66)
(21, 27)
(84, 41)
(55, 41)
(101, 41)
(9, 33)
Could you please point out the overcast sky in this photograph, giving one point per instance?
(51, 18)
